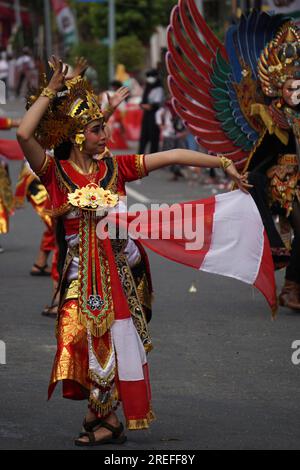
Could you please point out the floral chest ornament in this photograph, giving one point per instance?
(95, 300)
(92, 197)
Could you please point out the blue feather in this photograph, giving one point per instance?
(232, 51)
(275, 22)
(240, 119)
(259, 33)
(252, 21)
(242, 40)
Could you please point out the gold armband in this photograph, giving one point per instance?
(225, 162)
(109, 109)
(48, 93)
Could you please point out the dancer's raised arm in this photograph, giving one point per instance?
(33, 151)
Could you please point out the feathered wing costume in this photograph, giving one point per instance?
(240, 99)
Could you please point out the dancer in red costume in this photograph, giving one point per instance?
(100, 303)
(30, 187)
(6, 196)
(116, 122)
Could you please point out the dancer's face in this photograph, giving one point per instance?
(291, 92)
(95, 137)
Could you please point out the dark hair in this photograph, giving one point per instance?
(62, 151)
(62, 245)
(152, 73)
(115, 83)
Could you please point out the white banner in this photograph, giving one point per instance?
(66, 21)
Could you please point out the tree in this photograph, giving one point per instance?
(138, 17)
(130, 51)
(97, 57)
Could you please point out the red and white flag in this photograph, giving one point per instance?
(231, 238)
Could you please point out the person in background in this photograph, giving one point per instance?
(152, 100)
(6, 198)
(3, 68)
(116, 124)
(173, 133)
(25, 70)
(130, 82)
(11, 79)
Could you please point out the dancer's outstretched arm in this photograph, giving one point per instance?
(153, 161)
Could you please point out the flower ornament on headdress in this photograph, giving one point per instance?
(68, 114)
(280, 60)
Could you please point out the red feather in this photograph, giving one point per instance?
(191, 91)
(196, 41)
(212, 41)
(189, 62)
(188, 51)
(200, 122)
(195, 76)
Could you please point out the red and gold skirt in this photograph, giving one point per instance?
(4, 218)
(78, 351)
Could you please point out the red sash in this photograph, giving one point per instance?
(101, 296)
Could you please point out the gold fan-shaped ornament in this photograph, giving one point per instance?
(93, 197)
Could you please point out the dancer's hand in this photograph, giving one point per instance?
(81, 65)
(58, 78)
(119, 96)
(240, 180)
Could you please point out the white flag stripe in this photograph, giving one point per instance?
(238, 238)
(129, 349)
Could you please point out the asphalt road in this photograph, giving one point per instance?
(222, 376)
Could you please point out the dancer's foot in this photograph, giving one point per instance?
(108, 431)
(290, 295)
(37, 270)
(50, 311)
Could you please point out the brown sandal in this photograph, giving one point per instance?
(118, 437)
(88, 426)
(50, 311)
(40, 270)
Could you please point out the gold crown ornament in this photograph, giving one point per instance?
(68, 114)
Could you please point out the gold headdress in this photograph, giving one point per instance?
(68, 114)
(280, 60)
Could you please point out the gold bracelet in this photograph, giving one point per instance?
(48, 93)
(109, 109)
(225, 162)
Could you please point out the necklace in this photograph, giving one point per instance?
(93, 168)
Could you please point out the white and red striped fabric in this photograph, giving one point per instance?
(234, 240)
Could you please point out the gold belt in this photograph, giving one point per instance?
(71, 291)
(288, 159)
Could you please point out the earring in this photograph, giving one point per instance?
(79, 139)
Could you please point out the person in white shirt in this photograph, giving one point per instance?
(25, 69)
(3, 68)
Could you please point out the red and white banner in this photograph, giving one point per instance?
(223, 234)
(65, 20)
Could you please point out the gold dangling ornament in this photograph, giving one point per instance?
(79, 140)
